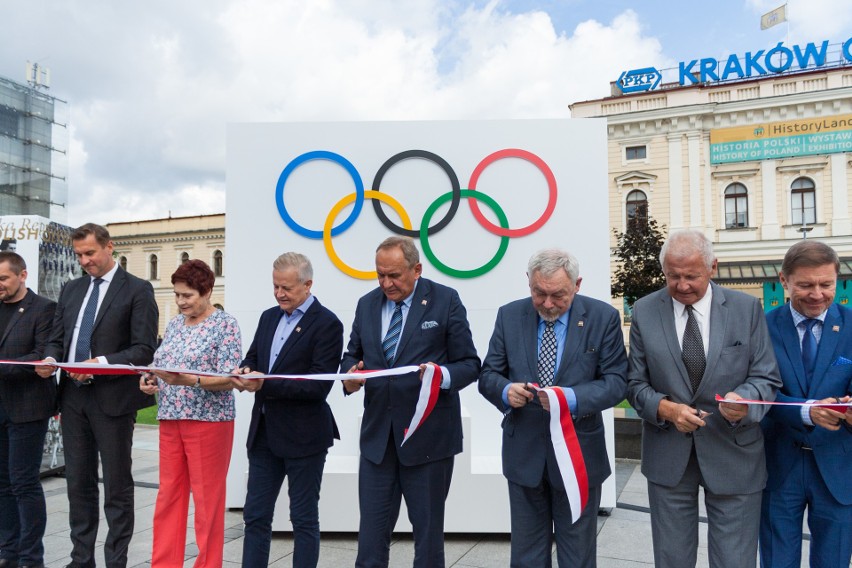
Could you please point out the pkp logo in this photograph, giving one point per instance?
(638, 80)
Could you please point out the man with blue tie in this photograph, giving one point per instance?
(808, 447)
(106, 316)
(291, 423)
(556, 337)
(407, 320)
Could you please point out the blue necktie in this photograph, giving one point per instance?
(809, 347)
(392, 336)
(84, 337)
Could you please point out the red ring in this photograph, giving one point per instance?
(551, 186)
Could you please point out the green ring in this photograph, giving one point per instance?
(424, 235)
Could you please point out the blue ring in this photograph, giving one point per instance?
(319, 155)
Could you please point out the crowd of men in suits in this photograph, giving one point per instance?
(688, 342)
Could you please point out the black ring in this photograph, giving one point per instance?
(454, 182)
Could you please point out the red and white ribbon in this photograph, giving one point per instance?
(430, 387)
(110, 369)
(840, 407)
(566, 446)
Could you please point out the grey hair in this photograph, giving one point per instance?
(409, 251)
(548, 261)
(295, 260)
(687, 242)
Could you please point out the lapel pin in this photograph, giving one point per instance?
(833, 328)
(20, 310)
(580, 323)
(424, 302)
(298, 330)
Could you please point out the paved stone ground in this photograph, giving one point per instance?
(624, 537)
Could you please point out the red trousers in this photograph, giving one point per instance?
(194, 456)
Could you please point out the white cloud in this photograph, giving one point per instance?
(152, 86)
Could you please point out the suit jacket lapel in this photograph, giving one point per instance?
(23, 306)
(530, 334)
(573, 337)
(419, 307)
(792, 345)
(304, 324)
(670, 335)
(118, 282)
(827, 345)
(718, 327)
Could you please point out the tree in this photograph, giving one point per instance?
(638, 252)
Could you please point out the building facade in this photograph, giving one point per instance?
(33, 144)
(755, 163)
(153, 249)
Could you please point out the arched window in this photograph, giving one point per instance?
(217, 263)
(184, 257)
(803, 201)
(736, 206)
(153, 271)
(637, 208)
(122, 262)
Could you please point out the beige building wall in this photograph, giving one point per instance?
(684, 189)
(153, 249)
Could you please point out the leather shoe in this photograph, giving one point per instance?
(7, 563)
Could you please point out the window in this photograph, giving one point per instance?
(635, 153)
(184, 257)
(736, 206)
(122, 262)
(152, 267)
(637, 208)
(217, 263)
(803, 201)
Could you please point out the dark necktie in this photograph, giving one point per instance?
(547, 355)
(809, 347)
(693, 350)
(392, 336)
(84, 337)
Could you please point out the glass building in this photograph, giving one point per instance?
(33, 159)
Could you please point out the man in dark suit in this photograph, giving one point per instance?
(107, 316)
(27, 402)
(688, 342)
(808, 448)
(555, 338)
(407, 320)
(291, 423)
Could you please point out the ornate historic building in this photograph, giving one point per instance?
(153, 249)
(755, 163)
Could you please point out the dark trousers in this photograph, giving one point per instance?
(380, 488)
(88, 433)
(266, 475)
(22, 510)
(540, 513)
(782, 513)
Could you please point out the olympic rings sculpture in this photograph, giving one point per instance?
(425, 230)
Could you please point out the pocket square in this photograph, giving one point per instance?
(429, 324)
(841, 361)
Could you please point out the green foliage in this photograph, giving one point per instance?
(638, 252)
(147, 416)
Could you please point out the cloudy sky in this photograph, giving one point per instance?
(152, 85)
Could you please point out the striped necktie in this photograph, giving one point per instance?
(392, 336)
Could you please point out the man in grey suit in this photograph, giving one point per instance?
(688, 342)
(555, 338)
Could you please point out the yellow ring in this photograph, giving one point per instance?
(329, 223)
